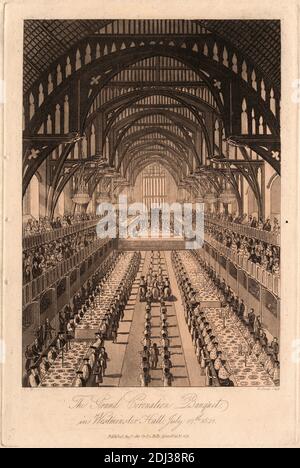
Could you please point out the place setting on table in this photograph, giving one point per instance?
(63, 371)
(96, 314)
(246, 370)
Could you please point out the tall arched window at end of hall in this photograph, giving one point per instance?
(252, 203)
(84, 147)
(93, 141)
(60, 206)
(66, 115)
(154, 185)
(31, 200)
(275, 198)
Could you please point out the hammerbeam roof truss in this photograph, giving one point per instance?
(155, 84)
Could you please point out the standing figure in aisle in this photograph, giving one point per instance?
(143, 289)
(79, 381)
(155, 291)
(86, 369)
(154, 354)
(168, 378)
(98, 374)
(149, 295)
(145, 378)
(103, 358)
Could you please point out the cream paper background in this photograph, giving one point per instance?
(243, 417)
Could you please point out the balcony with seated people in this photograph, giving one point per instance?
(259, 259)
(46, 269)
(42, 259)
(41, 231)
(248, 226)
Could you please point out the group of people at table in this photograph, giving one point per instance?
(207, 347)
(40, 356)
(155, 289)
(155, 286)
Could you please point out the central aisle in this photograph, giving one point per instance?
(131, 364)
(185, 373)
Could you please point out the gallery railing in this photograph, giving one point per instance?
(35, 240)
(264, 236)
(37, 286)
(269, 280)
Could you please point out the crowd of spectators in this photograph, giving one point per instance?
(258, 252)
(34, 226)
(247, 220)
(41, 259)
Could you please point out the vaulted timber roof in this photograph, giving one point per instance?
(103, 98)
(46, 40)
(259, 40)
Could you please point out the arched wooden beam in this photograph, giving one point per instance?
(272, 180)
(171, 115)
(111, 65)
(137, 159)
(122, 138)
(83, 67)
(148, 131)
(130, 150)
(189, 101)
(111, 58)
(154, 159)
(134, 118)
(148, 93)
(147, 146)
(216, 71)
(191, 59)
(188, 58)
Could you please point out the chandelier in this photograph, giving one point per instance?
(81, 197)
